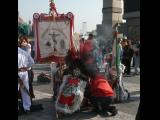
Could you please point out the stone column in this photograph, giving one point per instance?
(112, 13)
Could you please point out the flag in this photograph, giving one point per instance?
(116, 53)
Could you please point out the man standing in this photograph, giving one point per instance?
(25, 61)
(127, 55)
(89, 44)
(88, 56)
(81, 45)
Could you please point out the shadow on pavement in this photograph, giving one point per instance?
(80, 116)
(135, 92)
(133, 98)
(46, 114)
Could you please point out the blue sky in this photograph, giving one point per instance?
(89, 11)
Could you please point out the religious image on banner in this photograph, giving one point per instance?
(52, 36)
(54, 40)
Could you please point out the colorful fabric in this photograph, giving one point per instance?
(88, 46)
(121, 92)
(70, 94)
(100, 87)
(53, 43)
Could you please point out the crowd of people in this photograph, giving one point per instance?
(99, 93)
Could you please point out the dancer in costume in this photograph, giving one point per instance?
(72, 89)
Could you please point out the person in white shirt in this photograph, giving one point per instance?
(24, 44)
(25, 61)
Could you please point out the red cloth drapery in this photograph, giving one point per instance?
(100, 87)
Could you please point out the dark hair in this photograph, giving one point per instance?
(120, 40)
(82, 39)
(21, 38)
(90, 35)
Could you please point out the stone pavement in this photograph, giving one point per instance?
(49, 114)
(43, 92)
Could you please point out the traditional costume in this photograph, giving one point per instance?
(102, 94)
(70, 93)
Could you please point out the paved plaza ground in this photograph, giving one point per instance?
(44, 92)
